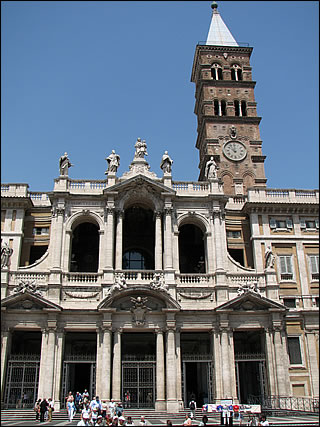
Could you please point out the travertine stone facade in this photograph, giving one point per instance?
(165, 289)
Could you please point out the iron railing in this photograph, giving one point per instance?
(301, 404)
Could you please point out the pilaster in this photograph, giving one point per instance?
(116, 368)
(160, 372)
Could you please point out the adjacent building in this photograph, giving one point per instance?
(142, 287)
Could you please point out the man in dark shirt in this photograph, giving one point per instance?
(43, 409)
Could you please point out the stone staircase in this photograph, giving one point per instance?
(152, 414)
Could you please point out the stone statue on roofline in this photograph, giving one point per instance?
(141, 149)
(166, 163)
(64, 164)
(113, 161)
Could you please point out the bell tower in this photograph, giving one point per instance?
(228, 125)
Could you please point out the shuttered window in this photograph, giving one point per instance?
(294, 351)
(314, 266)
(286, 272)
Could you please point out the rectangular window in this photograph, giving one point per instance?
(282, 224)
(314, 266)
(289, 302)
(234, 234)
(286, 272)
(13, 222)
(3, 218)
(40, 231)
(294, 351)
(309, 224)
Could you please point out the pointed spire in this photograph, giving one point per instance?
(219, 34)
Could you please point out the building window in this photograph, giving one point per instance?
(281, 224)
(236, 73)
(134, 260)
(220, 107)
(294, 351)
(286, 271)
(309, 224)
(216, 72)
(240, 108)
(314, 266)
(289, 302)
(40, 231)
(234, 234)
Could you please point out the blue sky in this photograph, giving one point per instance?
(88, 77)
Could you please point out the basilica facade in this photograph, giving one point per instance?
(139, 285)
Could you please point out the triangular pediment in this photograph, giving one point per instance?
(139, 181)
(28, 301)
(250, 301)
(156, 300)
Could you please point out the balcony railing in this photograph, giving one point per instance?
(301, 404)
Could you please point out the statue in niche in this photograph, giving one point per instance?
(211, 169)
(166, 163)
(6, 253)
(113, 162)
(269, 258)
(141, 149)
(64, 164)
(233, 132)
(139, 310)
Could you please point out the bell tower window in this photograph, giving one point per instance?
(220, 107)
(236, 73)
(216, 72)
(240, 108)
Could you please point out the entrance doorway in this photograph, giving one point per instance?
(78, 376)
(250, 380)
(197, 382)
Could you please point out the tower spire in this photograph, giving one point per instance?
(219, 34)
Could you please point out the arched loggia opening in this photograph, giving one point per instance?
(138, 239)
(85, 248)
(191, 249)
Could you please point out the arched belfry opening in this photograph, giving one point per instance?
(191, 249)
(85, 248)
(138, 238)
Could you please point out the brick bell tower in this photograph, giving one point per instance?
(228, 125)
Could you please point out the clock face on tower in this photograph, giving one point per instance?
(234, 150)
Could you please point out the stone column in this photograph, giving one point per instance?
(106, 363)
(5, 348)
(160, 370)
(179, 374)
(168, 239)
(119, 240)
(50, 361)
(158, 242)
(217, 239)
(57, 232)
(43, 365)
(216, 353)
(171, 372)
(313, 362)
(60, 335)
(225, 364)
(99, 379)
(271, 367)
(66, 257)
(116, 368)
(282, 364)
(109, 214)
(101, 250)
(232, 365)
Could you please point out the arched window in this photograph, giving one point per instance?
(220, 107)
(240, 108)
(236, 73)
(138, 239)
(216, 72)
(85, 248)
(191, 249)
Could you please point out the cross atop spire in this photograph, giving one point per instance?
(219, 34)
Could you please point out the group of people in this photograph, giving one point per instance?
(98, 412)
(43, 409)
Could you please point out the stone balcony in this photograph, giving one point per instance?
(270, 195)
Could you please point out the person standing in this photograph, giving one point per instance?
(112, 406)
(192, 407)
(71, 409)
(50, 409)
(43, 409)
(263, 421)
(36, 409)
(142, 421)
